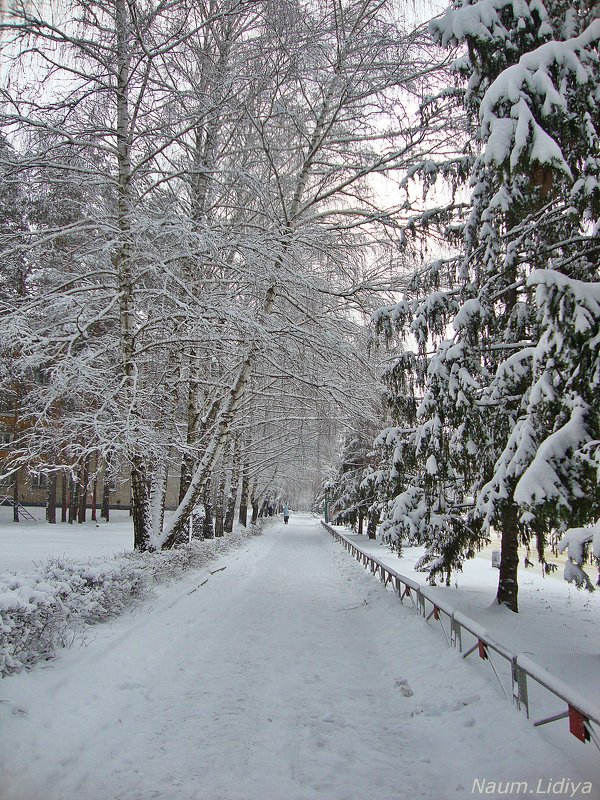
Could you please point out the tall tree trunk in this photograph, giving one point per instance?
(16, 497)
(508, 586)
(361, 522)
(185, 475)
(64, 496)
(158, 495)
(243, 514)
(193, 425)
(201, 177)
(94, 491)
(208, 528)
(95, 495)
(220, 496)
(219, 515)
(51, 499)
(255, 504)
(85, 479)
(73, 499)
(139, 504)
(105, 506)
(233, 487)
(373, 523)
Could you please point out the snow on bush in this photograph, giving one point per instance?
(46, 609)
(576, 542)
(40, 611)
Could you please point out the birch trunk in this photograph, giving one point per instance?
(105, 506)
(215, 446)
(73, 499)
(64, 495)
(220, 496)
(16, 497)
(94, 496)
(233, 488)
(140, 510)
(192, 424)
(245, 493)
(208, 528)
(82, 505)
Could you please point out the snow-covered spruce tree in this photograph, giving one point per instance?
(354, 488)
(432, 444)
(559, 433)
(350, 506)
(540, 124)
(531, 100)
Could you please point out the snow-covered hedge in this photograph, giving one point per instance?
(577, 542)
(46, 609)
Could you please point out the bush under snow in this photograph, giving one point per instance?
(46, 609)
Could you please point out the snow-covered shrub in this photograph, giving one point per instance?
(577, 543)
(44, 610)
(41, 611)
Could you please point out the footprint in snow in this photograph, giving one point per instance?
(402, 684)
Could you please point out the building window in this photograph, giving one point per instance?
(39, 481)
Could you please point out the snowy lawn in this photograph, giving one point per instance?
(26, 544)
(292, 674)
(558, 625)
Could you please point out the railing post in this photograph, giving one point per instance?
(420, 603)
(456, 633)
(521, 696)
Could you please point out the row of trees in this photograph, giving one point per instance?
(202, 203)
(493, 388)
(193, 230)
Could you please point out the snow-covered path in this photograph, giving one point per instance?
(286, 676)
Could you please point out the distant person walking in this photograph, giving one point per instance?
(286, 513)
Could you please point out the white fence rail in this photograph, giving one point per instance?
(516, 674)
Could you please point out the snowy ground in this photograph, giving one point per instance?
(558, 625)
(290, 675)
(24, 544)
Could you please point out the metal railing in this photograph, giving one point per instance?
(513, 672)
(7, 500)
